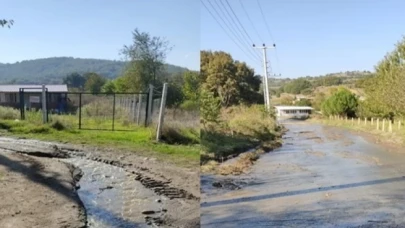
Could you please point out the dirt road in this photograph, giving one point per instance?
(321, 177)
(58, 185)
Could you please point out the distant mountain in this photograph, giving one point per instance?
(347, 77)
(53, 70)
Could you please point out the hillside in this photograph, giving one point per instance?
(52, 70)
(348, 77)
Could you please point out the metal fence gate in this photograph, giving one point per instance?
(88, 111)
(91, 111)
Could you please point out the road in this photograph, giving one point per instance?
(60, 185)
(321, 177)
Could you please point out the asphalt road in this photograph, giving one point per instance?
(321, 177)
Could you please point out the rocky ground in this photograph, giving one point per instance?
(116, 188)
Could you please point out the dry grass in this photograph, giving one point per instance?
(397, 136)
(240, 129)
(240, 166)
(9, 113)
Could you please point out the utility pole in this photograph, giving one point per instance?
(266, 90)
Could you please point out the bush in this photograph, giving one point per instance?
(251, 121)
(7, 113)
(184, 136)
(342, 102)
(57, 125)
(190, 105)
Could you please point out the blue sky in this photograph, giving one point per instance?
(98, 28)
(313, 37)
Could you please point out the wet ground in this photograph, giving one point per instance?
(321, 177)
(114, 189)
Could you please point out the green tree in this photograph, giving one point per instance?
(297, 85)
(109, 87)
(75, 80)
(342, 103)
(233, 82)
(210, 108)
(94, 82)
(191, 86)
(146, 56)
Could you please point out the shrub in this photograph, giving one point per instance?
(7, 113)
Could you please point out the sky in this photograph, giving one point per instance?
(312, 37)
(98, 28)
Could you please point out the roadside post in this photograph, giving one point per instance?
(161, 112)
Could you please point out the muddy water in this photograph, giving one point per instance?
(111, 197)
(321, 177)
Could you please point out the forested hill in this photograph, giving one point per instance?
(53, 70)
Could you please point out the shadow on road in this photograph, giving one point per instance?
(32, 170)
(300, 192)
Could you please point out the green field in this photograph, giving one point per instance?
(137, 139)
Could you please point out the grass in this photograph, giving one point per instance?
(182, 148)
(240, 129)
(397, 135)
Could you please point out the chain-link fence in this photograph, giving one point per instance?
(90, 111)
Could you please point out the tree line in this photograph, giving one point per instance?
(146, 66)
(384, 91)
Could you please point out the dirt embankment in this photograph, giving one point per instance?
(180, 186)
(38, 192)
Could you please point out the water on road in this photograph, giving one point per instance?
(321, 177)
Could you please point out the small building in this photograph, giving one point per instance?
(10, 96)
(293, 112)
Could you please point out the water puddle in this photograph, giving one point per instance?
(114, 199)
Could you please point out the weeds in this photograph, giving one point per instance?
(181, 133)
(239, 129)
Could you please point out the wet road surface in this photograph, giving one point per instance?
(321, 177)
(113, 194)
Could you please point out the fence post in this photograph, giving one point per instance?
(44, 112)
(80, 111)
(22, 106)
(352, 120)
(390, 127)
(161, 112)
(383, 126)
(372, 121)
(365, 120)
(358, 121)
(149, 106)
(113, 114)
(378, 124)
(399, 125)
(138, 114)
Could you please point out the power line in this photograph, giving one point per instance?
(239, 21)
(264, 19)
(251, 22)
(230, 37)
(271, 36)
(237, 28)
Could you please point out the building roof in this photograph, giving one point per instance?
(16, 88)
(293, 107)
